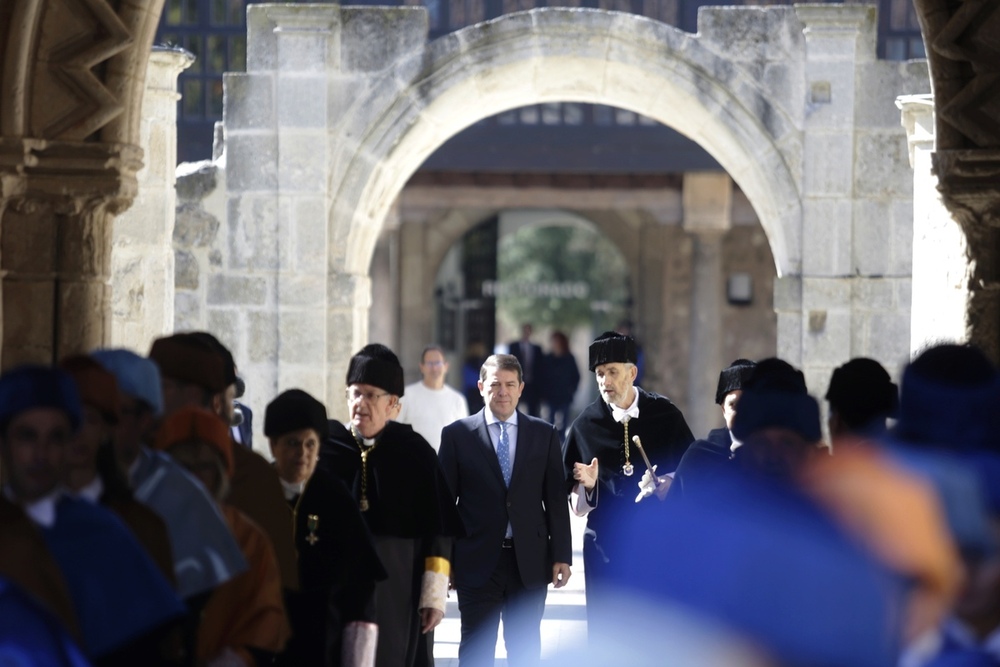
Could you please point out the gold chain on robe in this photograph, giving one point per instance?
(365, 450)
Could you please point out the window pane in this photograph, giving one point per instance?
(193, 44)
(661, 10)
(237, 53)
(529, 116)
(603, 115)
(170, 39)
(572, 113)
(917, 48)
(191, 12)
(215, 99)
(217, 12)
(551, 113)
(215, 59)
(191, 100)
(508, 118)
(895, 48)
(175, 12)
(623, 117)
(237, 12)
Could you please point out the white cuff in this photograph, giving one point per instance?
(360, 642)
(434, 591)
(578, 501)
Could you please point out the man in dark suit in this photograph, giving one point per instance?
(505, 469)
(529, 356)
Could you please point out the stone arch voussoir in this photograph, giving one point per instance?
(553, 55)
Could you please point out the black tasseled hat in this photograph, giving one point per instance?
(377, 365)
(294, 410)
(733, 377)
(612, 347)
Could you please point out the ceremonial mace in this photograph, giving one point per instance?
(649, 466)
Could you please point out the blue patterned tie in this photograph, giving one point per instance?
(503, 453)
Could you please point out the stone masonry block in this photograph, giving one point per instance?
(788, 293)
(302, 101)
(303, 50)
(249, 101)
(872, 237)
(310, 225)
(262, 49)
(901, 262)
(826, 237)
(889, 339)
(826, 293)
(254, 235)
(194, 184)
(251, 162)
(829, 158)
(302, 336)
(373, 38)
(874, 293)
(226, 324)
(882, 164)
(302, 164)
(302, 290)
(262, 337)
(194, 227)
(828, 345)
(186, 270)
(224, 290)
(187, 311)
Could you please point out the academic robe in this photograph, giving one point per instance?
(701, 463)
(255, 490)
(30, 634)
(25, 560)
(148, 529)
(412, 517)
(117, 591)
(664, 435)
(338, 569)
(246, 612)
(205, 552)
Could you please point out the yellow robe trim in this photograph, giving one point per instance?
(438, 565)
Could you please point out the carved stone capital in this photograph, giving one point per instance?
(71, 178)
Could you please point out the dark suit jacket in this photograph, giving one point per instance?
(535, 504)
(536, 359)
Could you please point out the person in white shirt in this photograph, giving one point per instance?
(430, 405)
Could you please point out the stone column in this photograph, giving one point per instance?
(832, 34)
(277, 171)
(940, 281)
(57, 202)
(707, 200)
(142, 262)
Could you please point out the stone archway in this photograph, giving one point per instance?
(341, 104)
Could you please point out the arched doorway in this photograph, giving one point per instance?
(380, 112)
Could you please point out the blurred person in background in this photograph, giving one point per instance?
(243, 621)
(430, 404)
(559, 379)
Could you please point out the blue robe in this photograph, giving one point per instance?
(205, 552)
(117, 591)
(29, 635)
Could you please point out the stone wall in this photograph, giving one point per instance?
(339, 105)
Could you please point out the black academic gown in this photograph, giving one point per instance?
(701, 464)
(411, 515)
(338, 568)
(664, 435)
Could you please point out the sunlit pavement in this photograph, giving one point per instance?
(564, 625)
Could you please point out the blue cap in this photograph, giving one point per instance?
(137, 376)
(30, 387)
